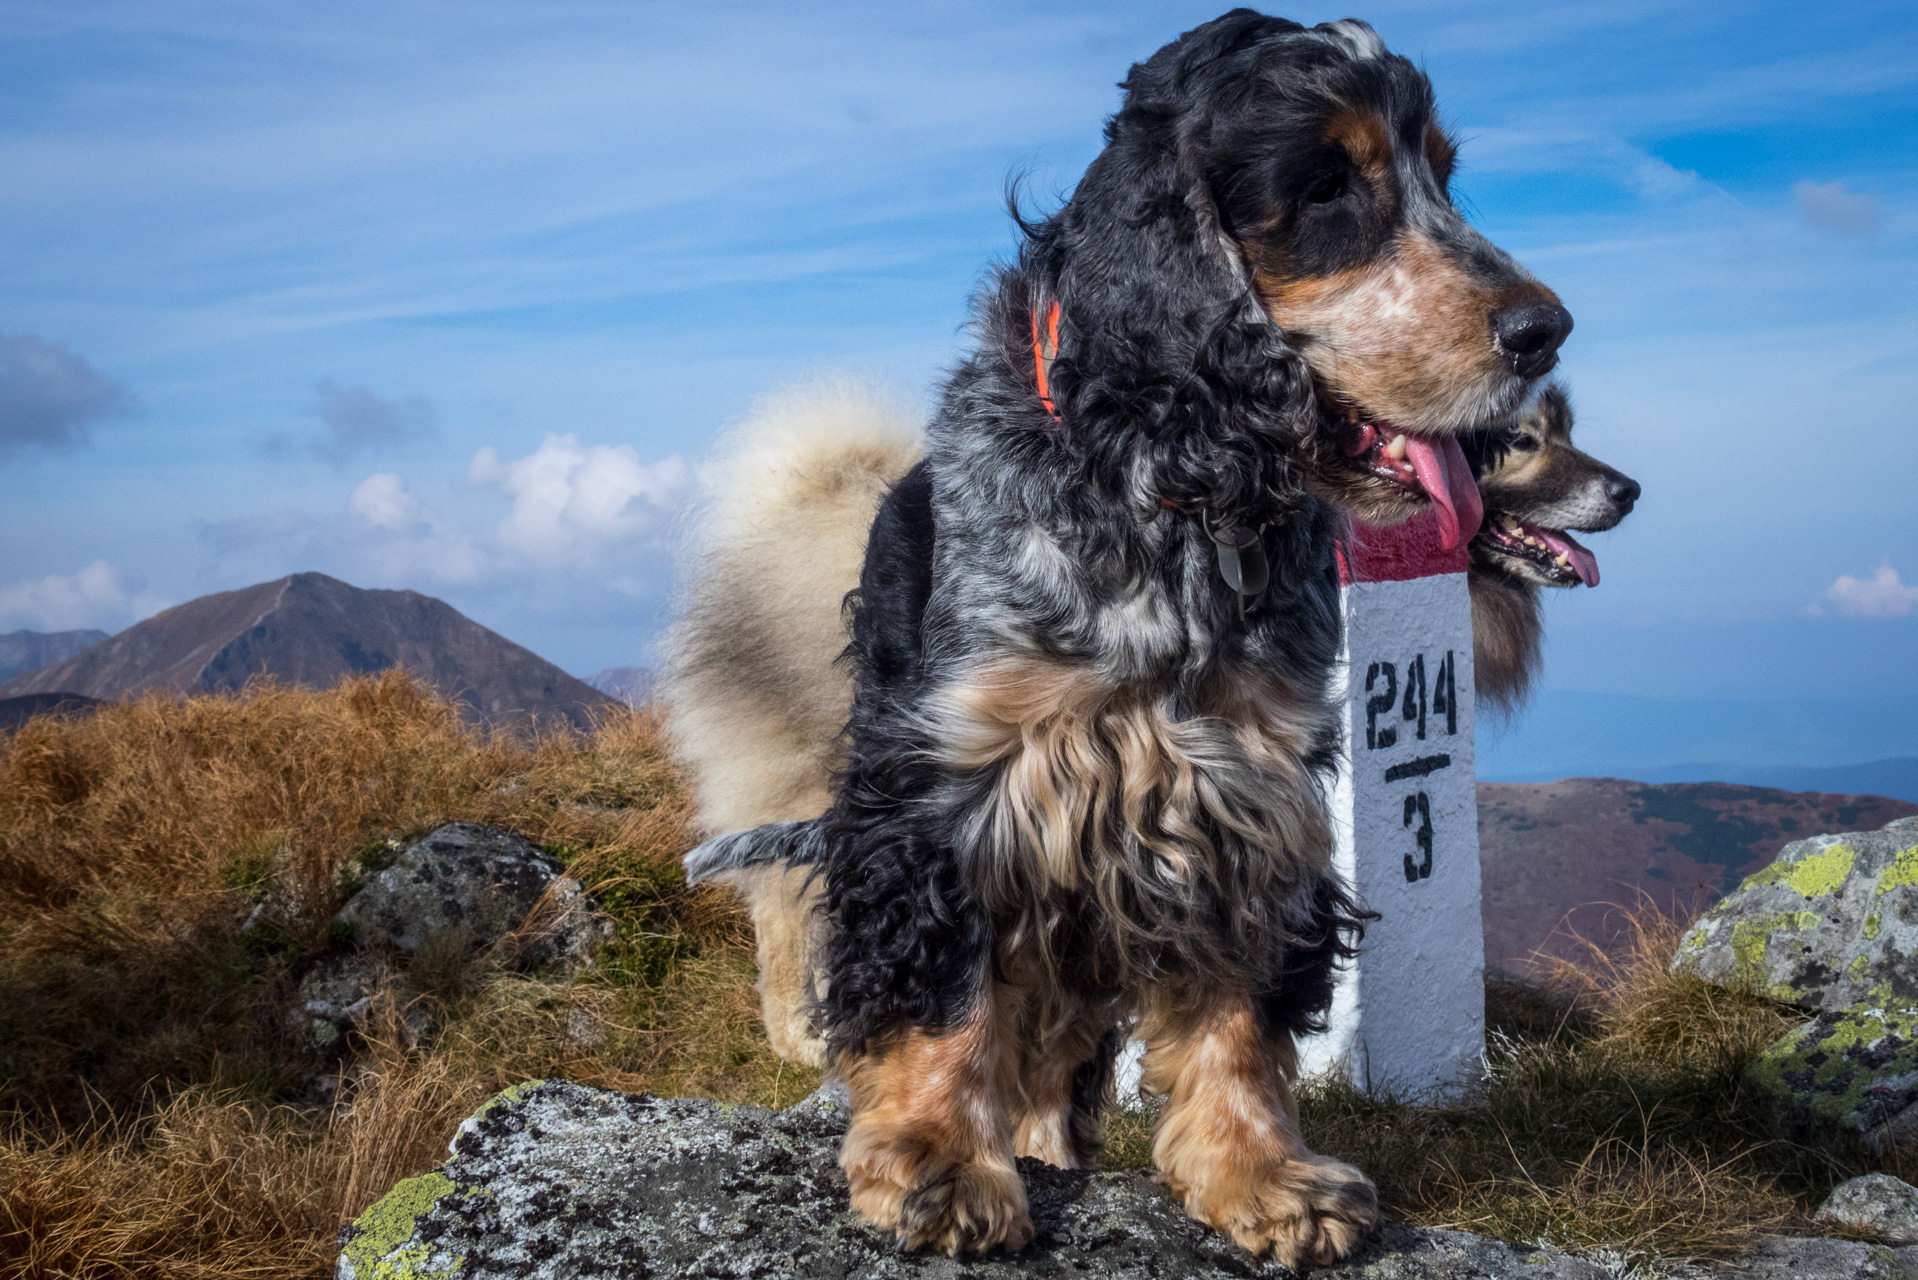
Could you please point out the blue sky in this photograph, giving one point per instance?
(454, 296)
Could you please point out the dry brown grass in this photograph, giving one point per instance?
(145, 1065)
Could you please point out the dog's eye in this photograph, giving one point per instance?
(1326, 188)
(1525, 444)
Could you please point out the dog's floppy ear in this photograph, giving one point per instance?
(1163, 347)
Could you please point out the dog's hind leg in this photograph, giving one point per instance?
(789, 927)
(1228, 1141)
(929, 1152)
(1065, 1089)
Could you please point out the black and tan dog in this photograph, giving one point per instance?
(1094, 630)
(760, 700)
(1536, 488)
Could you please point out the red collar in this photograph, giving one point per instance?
(1043, 354)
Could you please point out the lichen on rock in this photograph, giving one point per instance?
(553, 1180)
(385, 1243)
(1833, 922)
(1857, 1068)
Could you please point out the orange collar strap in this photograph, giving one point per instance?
(1043, 354)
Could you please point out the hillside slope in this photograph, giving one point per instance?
(309, 630)
(1555, 853)
(24, 651)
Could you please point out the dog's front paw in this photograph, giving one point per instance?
(1309, 1211)
(928, 1201)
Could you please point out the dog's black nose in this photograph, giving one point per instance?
(1530, 335)
(1623, 491)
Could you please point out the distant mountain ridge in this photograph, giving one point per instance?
(309, 629)
(1897, 778)
(1778, 742)
(24, 651)
(1553, 854)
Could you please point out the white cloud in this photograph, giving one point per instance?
(402, 539)
(1882, 596)
(1830, 206)
(97, 596)
(571, 502)
(383, 502)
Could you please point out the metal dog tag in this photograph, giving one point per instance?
(1243, 568)
(1241, 564)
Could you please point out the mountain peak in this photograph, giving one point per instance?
(311, 629)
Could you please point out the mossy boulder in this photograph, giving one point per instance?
(1856, 1068)
(1832, 923)
(552, 1180)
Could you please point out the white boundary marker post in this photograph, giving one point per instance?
(1408, 1016)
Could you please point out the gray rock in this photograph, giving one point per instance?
(336, 995)
(554, 1180)
(475, 884)
(463, 885)
(1877, 1202)
(1832, 923)
(1811, 1258)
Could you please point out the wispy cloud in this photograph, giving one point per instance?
(1831, 206)
(354, 420)
(1882, 595)
(97, 596)
(49, 396)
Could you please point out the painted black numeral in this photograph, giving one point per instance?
(1377, 737)
(1419, 806)
(1415, 693)
(1445, 691)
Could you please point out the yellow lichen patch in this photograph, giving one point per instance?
(378, 1248)
(1873, 923)
(510, 1094)
(1903, 871)
(1776, 872)
(1822, 873)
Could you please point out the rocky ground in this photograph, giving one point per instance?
(556, 1181)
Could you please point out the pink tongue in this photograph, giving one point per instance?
(1446, 477)
(1584, 563)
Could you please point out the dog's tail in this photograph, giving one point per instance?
(788, 844)
(754, 702)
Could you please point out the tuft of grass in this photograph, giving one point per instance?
(1613, 1114)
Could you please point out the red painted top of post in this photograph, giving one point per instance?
(1397, 553)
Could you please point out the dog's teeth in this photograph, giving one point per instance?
(1397, 448)
(1562, 560)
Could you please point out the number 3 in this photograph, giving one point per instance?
(1419, 807)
